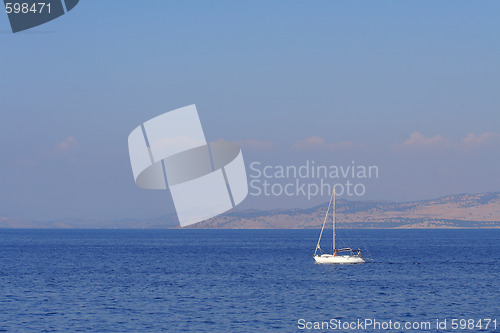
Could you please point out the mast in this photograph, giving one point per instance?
(333, 250)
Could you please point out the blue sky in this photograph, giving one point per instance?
(401, 85)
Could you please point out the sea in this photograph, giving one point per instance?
(248, 281)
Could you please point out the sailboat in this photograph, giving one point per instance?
(339, 256)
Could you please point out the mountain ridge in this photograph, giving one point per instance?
(463, 210)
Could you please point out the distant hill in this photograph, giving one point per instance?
(452, 211)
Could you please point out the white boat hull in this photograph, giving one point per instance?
(339, 259)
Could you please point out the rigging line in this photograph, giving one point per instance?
(324, 221)
(333, 222)
(361, 240)
(345, 240)
(353, 237)
(365, 243)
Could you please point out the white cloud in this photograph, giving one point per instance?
(472, 140)
(66, 144)
(316, 142)
(418, 140)
(252, 144)
(313, 142)
(256, 144)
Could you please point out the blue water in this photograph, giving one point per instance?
(240, 280)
